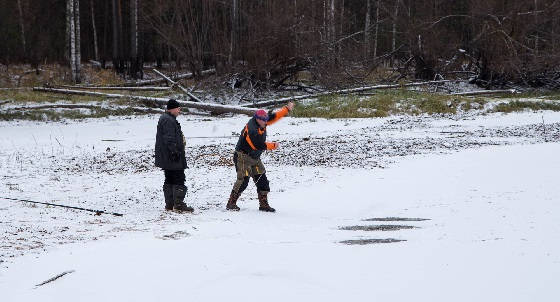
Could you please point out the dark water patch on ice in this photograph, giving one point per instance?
(383, 227)
(396, 219)
(370, 241)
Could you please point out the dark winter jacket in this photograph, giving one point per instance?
(252, 140)
(170, 144)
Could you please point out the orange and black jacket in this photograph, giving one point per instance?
(252, 140)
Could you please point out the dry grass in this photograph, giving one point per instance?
(385, 103)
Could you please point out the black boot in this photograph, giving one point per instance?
(263, 202)
(231, 204)
(179, 192)
(168, 194)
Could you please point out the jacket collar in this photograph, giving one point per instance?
(254, 120)
(171, 115)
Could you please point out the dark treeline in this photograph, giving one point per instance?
(268, 41)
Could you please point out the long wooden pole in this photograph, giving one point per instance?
(134, 88)
(173, 83)
(214, 108)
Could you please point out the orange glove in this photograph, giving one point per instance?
(271, 146)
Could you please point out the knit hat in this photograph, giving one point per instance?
(172, 104)
(261, 115)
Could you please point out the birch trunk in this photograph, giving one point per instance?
(72, 39)
(134, 28)
(22, 27)
(95, 49)
(77, 41)
(135, 69)
(366, 30)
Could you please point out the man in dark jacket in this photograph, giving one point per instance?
(170, 156)
(247, 157)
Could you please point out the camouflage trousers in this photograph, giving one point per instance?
(246, 167)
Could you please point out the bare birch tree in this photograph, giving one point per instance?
(71, 31)
(376, 36)
(366, 29)
(77, 41)
(135, 62)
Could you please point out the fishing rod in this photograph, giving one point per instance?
(97, 212)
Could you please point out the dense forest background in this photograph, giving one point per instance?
(269, 41)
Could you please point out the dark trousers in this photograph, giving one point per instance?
(174, 177)
(260, 180)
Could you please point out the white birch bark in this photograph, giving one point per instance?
(77, 41)
(366, 30)
(134, 29)
(72, 38)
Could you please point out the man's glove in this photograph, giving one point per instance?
(174, 156)
(271, 146)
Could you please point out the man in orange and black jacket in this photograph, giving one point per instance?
(247, 157)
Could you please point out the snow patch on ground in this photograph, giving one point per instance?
(107, 164)
(491, 235)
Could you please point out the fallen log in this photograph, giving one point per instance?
(214, 108)
(85, 106)
(133, 88)
(173, 83)
(341, 91)
(175, 78)
(481, 92)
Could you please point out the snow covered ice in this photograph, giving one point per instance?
(487, 186)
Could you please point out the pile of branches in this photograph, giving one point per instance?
(274, 74)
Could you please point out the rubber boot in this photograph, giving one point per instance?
(231, 204)
(263, 202)
(168, 194)
(179, 192)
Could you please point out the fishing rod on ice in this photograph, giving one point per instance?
(97, 212)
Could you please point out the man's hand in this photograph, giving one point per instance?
(290, 106)
(272, 146)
